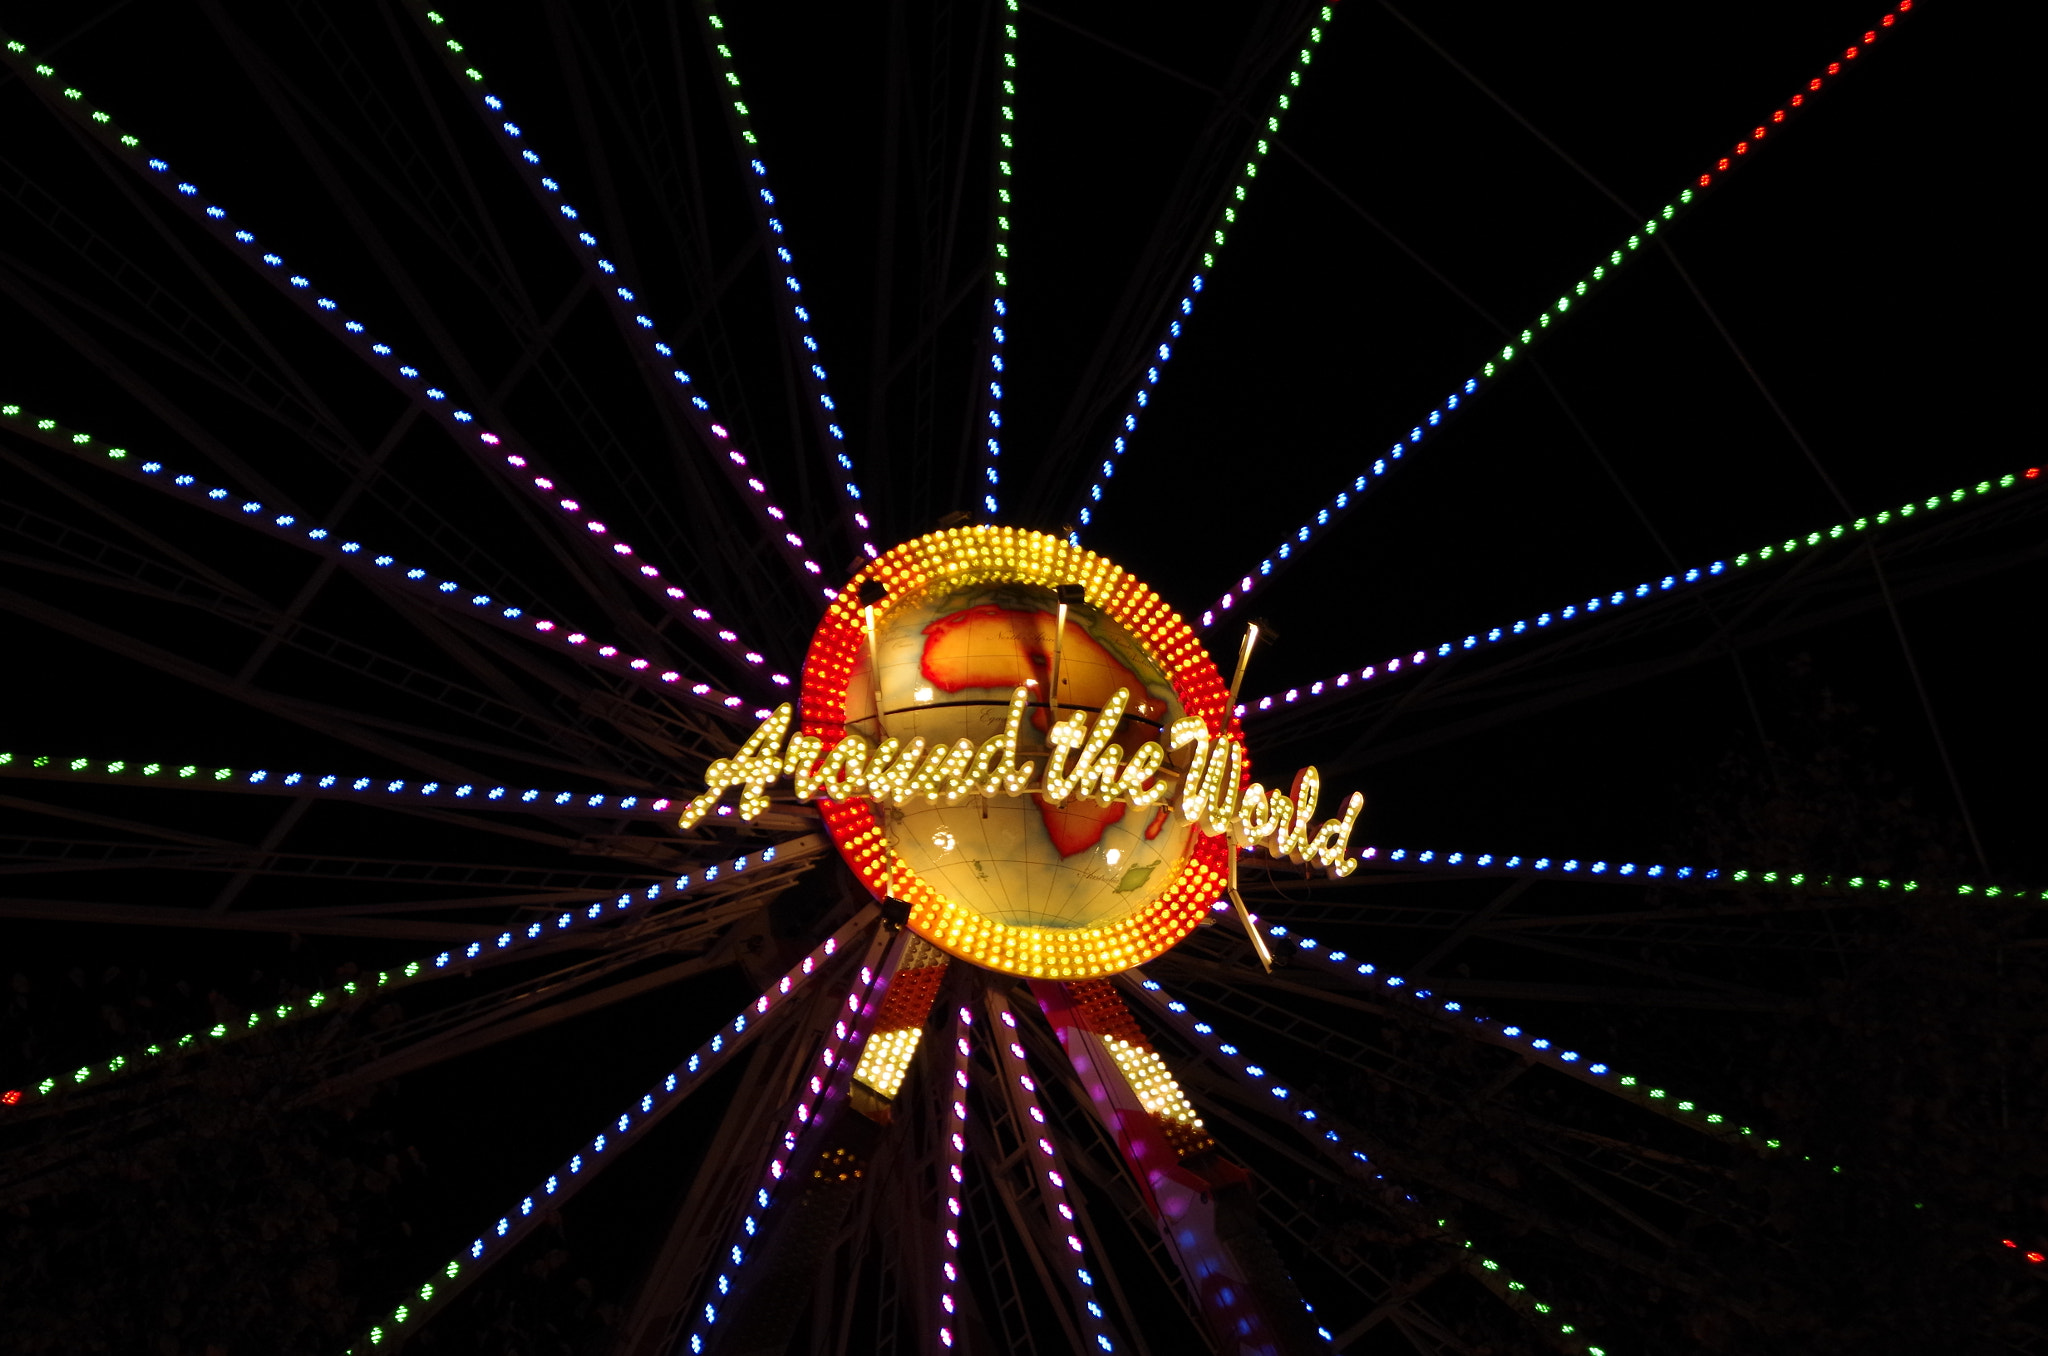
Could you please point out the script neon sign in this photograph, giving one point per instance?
(1081, 762)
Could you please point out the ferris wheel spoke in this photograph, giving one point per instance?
(1884, 526)
(626, 303)
(501, 455)
(991, 370)
(1325, 519)
(1221, 221)
(535, 937)
(381, 571)
(498, 1239)
(1354, 1155)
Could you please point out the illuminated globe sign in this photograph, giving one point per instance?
(1030, 749)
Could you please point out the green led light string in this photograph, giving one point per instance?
(511, 943)
(498, 1239)
(499, 455)
(382, 571)
(992, 372)
(383, 790)
(1083, 511)
(1318, 526)
(793, 312)
(1351, 680)
(628, 305)
(1345, 1147)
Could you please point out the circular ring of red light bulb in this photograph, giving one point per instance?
(986, 554)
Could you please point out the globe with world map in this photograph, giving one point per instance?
(949, 663)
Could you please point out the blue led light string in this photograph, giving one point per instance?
(510, 944)
(1351, 680)
(381, 790)
(627, 302)
(494, 452)
(816, 1102)
(1044, 1157)
(1342, 1145)
(499, 1237)
(381, 569)
(792, 311)
(1219, 231)
(1317, 527)
(993, 376)
(952, 1178)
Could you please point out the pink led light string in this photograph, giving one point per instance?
(816, 1102)
(511, 944)
(1352, 680)
(1341, 1144)
(498, 1238)
(628, 306)
(519, 465)
(1325, 518)
(382, 570)
(952, 1179)
(1044, 1157)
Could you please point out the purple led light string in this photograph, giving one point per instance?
(795, 317)
(1327, 516)
(952, 1180)
(1719, 570)
(517, 464)
(1162, 351)
(1043, 1155)
(1345, 1147)
(509, 944)
(499, 1238)
(628, 305)
(381, 569)
(815, 1104)
(990, 425)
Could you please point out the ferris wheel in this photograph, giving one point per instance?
(846, 741)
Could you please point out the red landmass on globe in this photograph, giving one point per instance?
(991, 646)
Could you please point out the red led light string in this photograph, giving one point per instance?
(1013, 1069)
(383, 571)
(497, 1240)
(952, 1179)
(1352, 680)
(1325, 518)
(1344, 1146)
(624, 299)
(815, 1104)
(1220, 226)
(510, 944)
(793, 313)
(498, 454)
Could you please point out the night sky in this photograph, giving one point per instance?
(1835, 330)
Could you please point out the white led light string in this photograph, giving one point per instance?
(501, 1236)
(952, 1178)
(816, 1102)
(1327, 516)
(1353, 679)
(1043, 1155)
(1184, 307)
(381, 569)
(794, 314)
(517, 464)
(994, 375)
(629, 306)
(1344, 1147)
(511, 943)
